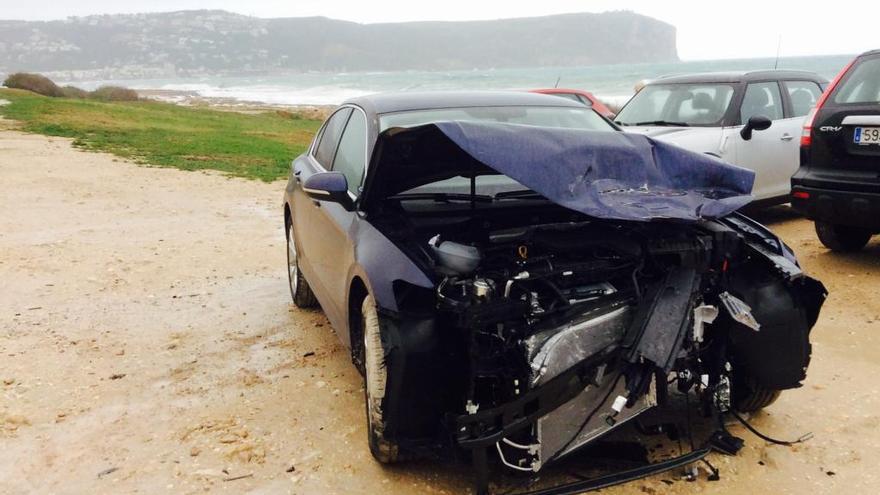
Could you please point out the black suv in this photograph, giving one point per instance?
(838, 183)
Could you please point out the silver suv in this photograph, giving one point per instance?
(750, 119)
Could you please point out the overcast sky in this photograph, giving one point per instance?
(706, 29)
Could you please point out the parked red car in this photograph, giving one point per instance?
(579, 96)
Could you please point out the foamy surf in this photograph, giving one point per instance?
(271, 95)
(612, 84)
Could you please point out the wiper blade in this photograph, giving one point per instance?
(442, 197)
(662, 122)
(521, 194)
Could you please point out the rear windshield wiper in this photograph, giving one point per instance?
(441, 197)
(662, 122)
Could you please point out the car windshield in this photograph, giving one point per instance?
(678, 104)
(490, 185)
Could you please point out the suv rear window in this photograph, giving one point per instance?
(862, 84)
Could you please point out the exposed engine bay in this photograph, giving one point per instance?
(571, 328)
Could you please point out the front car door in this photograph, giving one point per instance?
(332, 224)
(304, 209)
(768, 152)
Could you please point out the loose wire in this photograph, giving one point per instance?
(762, 436)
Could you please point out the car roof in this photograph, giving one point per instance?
(869, 53)
(559, 90)
(405, 101)
(739, 76)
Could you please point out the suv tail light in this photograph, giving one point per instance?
(807, 133)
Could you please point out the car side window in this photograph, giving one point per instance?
(761, 99)
(352, 153)
(803, 96)
(326, 149)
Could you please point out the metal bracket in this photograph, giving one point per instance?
(739, 310)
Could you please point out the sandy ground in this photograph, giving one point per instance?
(147, 346)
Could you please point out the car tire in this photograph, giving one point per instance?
(749, 396)
(300, 292)
(384, 449)
(842, 238)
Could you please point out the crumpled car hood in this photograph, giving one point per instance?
(610, 175)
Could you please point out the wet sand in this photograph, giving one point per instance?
(147, 346)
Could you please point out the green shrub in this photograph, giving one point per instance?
(74, 92)
(114, 93)
(33, 82)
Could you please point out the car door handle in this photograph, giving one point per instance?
(786, 137)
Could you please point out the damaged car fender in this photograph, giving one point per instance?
(381, 265)
(786, 303)
(414, 351)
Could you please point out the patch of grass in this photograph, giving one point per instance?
(256, 146)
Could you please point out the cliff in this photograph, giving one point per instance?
(217, 42)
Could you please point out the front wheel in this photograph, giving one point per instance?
(842, 238)
(302, 294)
(382, 447)
(749, 396)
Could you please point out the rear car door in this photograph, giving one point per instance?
(304, 210)
(771, 153)
(846, 137)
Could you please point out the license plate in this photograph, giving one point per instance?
(867, 135)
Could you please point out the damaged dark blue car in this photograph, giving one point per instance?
(516, 278)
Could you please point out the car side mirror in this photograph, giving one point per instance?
(755, 123)
(329, 186)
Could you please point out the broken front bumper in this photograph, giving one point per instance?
(482, 431)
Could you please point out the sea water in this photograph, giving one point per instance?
(613, 83)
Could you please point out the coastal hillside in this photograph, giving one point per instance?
(193, 43)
